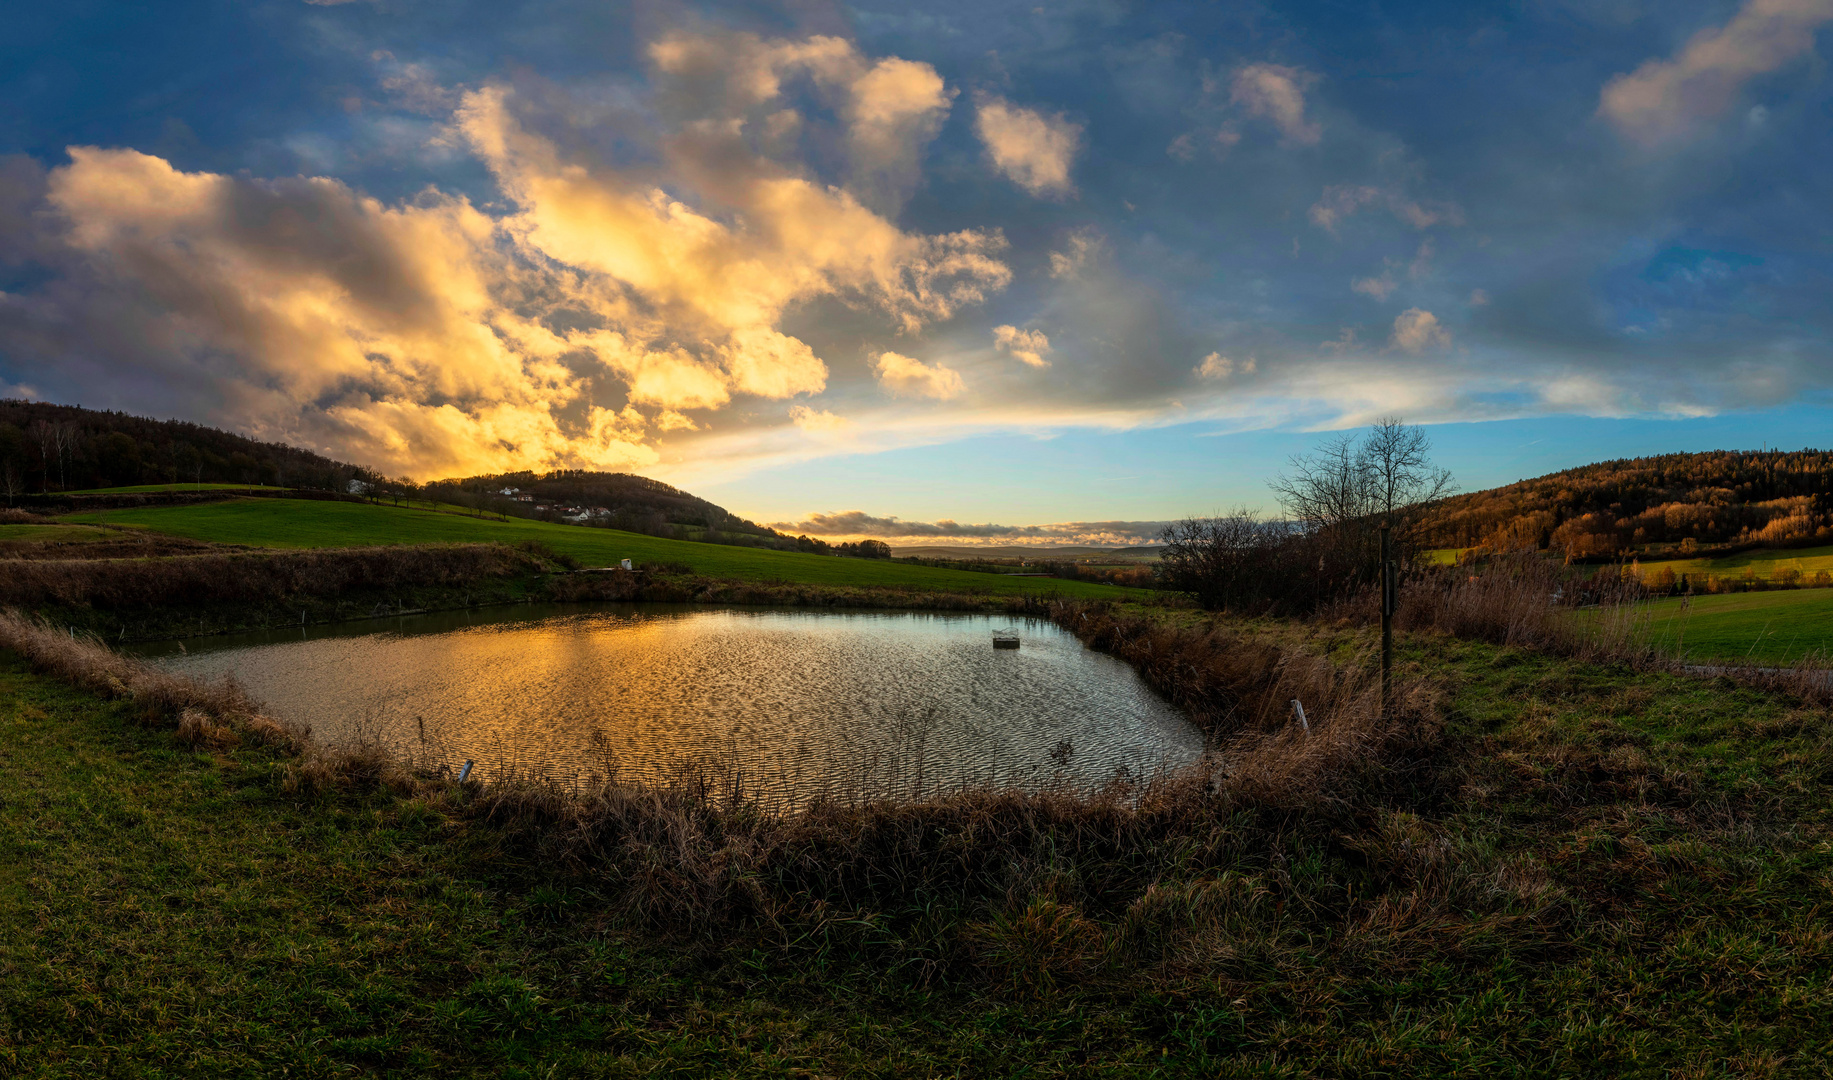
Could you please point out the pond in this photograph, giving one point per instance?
(795, 703)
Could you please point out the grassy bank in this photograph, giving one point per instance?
(231, 590)
(287, 523)
(1561, 868)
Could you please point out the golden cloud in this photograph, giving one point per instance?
(577, 326)
(906, 376)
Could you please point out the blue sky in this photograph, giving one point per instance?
(1012, 263)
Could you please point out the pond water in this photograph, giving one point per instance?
(796, 703)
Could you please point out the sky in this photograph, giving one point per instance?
(979, 271)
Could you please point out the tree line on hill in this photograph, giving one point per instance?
(1677, 502)
(47, 449)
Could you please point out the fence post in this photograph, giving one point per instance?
(1388, 591)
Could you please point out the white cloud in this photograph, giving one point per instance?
(1340, 201)
(1378, 287)
(1081, 248)
(1028, 346)
(1277, 93)
(1416, 330)
(1664, 100)
(818, 421)
(909, 377)
(1217, 366)
(1034, 151)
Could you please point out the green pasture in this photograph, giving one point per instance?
(291, 523)
(133, 489)
(42, 534)
(1779, 627)
(1765, 561)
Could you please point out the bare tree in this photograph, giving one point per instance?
(1329, 488)
(45, 437)
(1403, 478)
(64, 436)
(1343, 492)
(12, 480)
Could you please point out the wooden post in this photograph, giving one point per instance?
(1389, 595)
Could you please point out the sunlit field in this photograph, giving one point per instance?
(289, 523)
(1765, 561)
(135, 489)
(1780, 627)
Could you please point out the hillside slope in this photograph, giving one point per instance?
(1721, 497)
(621, 500)
(290, 523)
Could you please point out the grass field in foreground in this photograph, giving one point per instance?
(1777, 627)
(170, 912)
(290, 523)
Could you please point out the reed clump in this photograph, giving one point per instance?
(200, 712)
(1518, 599)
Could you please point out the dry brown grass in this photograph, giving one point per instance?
(199, 711)
(1519, 599)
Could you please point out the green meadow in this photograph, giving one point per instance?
(1780, 627)
(50, 534)
(298, 523)
(134, 489)
(1764, 561)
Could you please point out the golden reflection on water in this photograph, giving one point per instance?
(797, 703)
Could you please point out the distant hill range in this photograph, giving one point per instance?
(1026, 552)
(1643, 506)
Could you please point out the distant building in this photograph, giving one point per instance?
(357, 487)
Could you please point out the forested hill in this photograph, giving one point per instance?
(47, 448)
(637, 503)
(1641, 504)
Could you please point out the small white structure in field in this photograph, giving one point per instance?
(626, 565)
